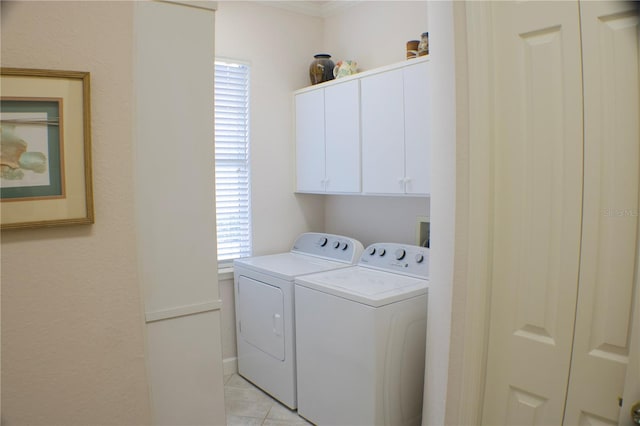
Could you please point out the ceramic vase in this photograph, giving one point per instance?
(321, 69)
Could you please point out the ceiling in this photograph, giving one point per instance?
(320, 8)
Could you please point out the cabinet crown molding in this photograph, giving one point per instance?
(396, 65)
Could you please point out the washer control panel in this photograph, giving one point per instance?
(329, 246)
(399, 258)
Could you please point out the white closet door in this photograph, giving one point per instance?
(610, 215)
(631, 394)
(537, 214)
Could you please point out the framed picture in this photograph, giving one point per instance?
(45, 148)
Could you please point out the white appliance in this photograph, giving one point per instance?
(264, 300)
(360, 339)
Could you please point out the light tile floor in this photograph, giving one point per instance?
(246, 405)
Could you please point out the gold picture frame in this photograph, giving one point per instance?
(45, 140)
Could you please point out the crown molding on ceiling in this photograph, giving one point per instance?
(321, 9)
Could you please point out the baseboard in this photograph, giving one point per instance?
(230, 365)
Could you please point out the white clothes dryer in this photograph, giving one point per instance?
(360, 339)
(264, 301)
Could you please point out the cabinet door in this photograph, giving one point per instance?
(310, 153)
(416, 125)
(342, 137)
(382, 109)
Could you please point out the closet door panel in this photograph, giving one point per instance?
(610, 229)
(537, 215)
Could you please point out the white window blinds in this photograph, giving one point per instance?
(233, 206)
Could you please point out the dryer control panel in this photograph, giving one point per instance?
(398, 258)
(329, 246)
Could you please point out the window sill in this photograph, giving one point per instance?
(225, 274)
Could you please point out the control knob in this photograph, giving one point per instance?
(400, 253)
(323, 241)
(382, 252)
(336, 244)
(419, 258)
(345, 246)
(372, 251)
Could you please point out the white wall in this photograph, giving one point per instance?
(374, 33)
(72, 322)
(375, 219)
(443, 211)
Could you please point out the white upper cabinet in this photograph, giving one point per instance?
(383, 133)
(416, 129)
(395, 148)
(342, 137)
(310, 152)
(328, 139)
(365, 134)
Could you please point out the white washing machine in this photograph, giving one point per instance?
(360, 339)
(264, 300)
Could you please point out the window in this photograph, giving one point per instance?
(233, 206)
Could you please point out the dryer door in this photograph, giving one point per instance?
(261, 316)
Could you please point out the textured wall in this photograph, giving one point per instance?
(72, 322)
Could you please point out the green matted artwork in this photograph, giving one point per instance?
(45, 155)
(31, 149)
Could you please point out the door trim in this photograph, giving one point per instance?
(474, 228)
(181, 311)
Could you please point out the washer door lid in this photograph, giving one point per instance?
(365, 285)
(261, 315)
